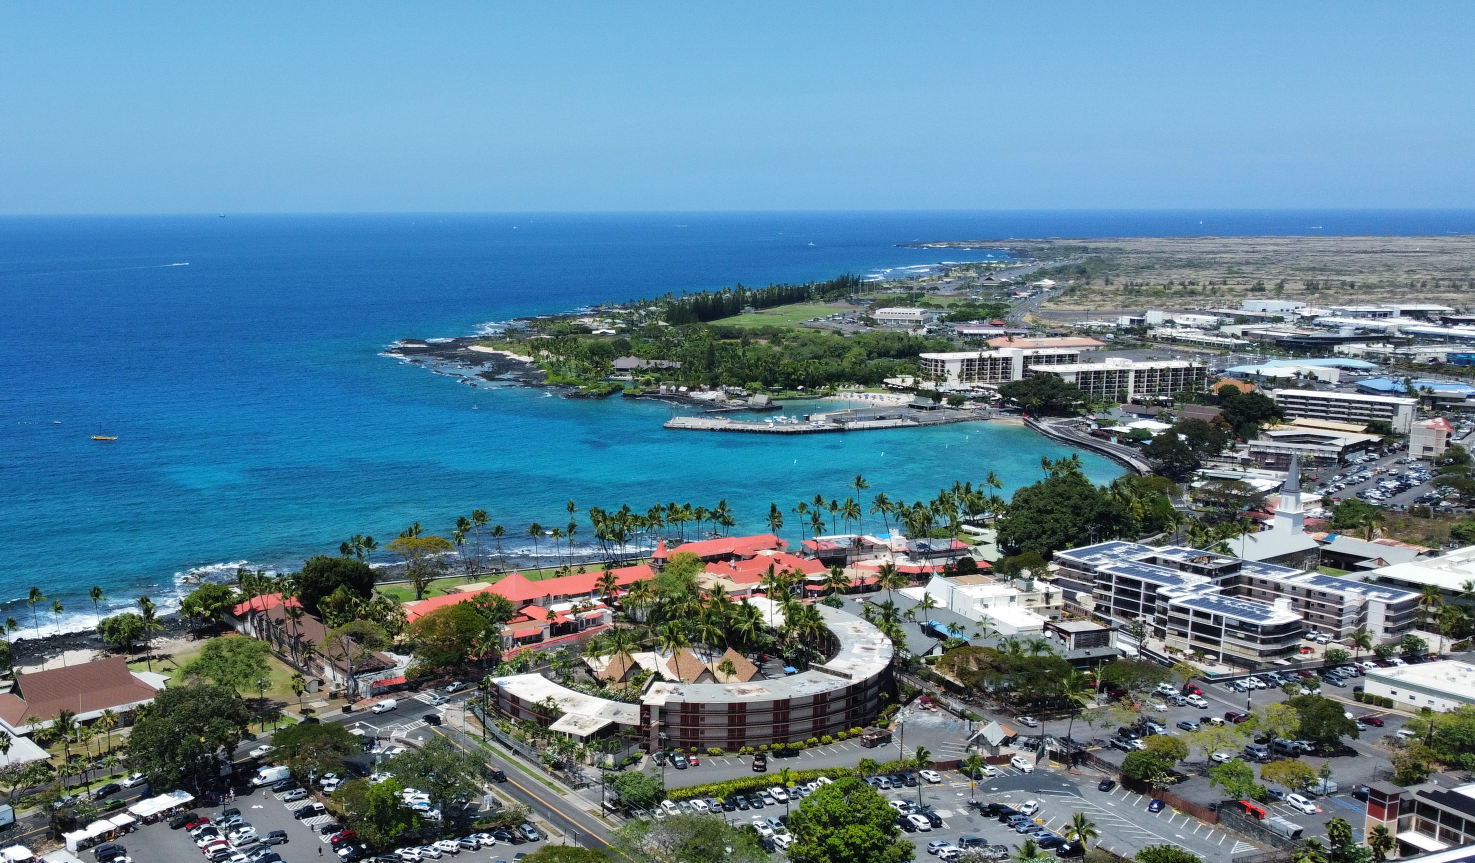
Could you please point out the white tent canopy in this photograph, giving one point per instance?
(164, 802)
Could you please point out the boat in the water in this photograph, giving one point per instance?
(104, 437)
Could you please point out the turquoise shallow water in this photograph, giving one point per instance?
(258, 421)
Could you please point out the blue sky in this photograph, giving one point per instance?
(278, 107)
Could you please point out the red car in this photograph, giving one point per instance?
(1370, 720)
(692, 760)
(1236, 717)
(1193, 690)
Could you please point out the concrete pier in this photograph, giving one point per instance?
(861, 419)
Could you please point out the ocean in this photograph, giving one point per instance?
(239, 362)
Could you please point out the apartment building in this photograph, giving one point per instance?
(965, 368)
(1337, 606)
(1430, 438)
(1348, 407)
(900, 316)
(1118, 379)
(1183, 596)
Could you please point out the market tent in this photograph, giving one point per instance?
(164, 802)
(75, 839)
(123, 820)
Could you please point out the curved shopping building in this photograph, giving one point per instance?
(843, 692)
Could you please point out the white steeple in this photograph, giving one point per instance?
(1289, 516)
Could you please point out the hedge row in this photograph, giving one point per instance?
(721, 790)
(1375, 700)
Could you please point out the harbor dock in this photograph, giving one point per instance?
(860, 419)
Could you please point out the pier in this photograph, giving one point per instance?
(859, 419)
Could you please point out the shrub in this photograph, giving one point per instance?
(1358, 696)
(763, 747)
(713, 751)
(854, 732)
(826, 740)
(813, 741)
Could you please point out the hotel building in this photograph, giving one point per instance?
(1348, 407)
(964, 368)
(1118, 379)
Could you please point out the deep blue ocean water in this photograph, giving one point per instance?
(259, 423)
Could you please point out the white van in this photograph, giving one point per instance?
(268, 775)
(384, 706)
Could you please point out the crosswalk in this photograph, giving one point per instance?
(314, 821)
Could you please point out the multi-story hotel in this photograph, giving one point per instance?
(1245, 610)
(1397, 411)
(1119, 379)
(694, 710)
(962, 368)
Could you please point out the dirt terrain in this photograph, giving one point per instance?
(1200, 272)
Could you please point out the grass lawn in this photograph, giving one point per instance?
(441, 586)
(783, 316)
(280, 673)
(1327, 570)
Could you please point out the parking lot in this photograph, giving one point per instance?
(1121, 817)
(265, 811)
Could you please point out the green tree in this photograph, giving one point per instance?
(236, 662)
(122, 631)
(566, 854)
(1172, 455)
(1247, 412)
(1044, 394)
(1165, 853)
(1323, 720)
(688, 839)
(847, 822)
(322, 575)
(209, 603)
(314, 747)
(1168, 746)
(637, 789)
(1291, 773)
(1278, 721)
(180, 739)
(1144, 766)
(437, 768)
(1063, 510)
(1380, 842)
(377, 811)
(1336, 656)
(1235, 777)
(1081, 829)
(447, 636)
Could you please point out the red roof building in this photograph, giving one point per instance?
(265, 602)
(729, 547)
(522, 591)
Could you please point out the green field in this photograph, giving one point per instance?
(782, 316)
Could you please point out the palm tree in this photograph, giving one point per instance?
(1077, 689)
(107, 722)
(973, 766)
(1380, 842)
(1361, 640)
(1311, 851)
(97, 596)
(889, 578)
(1081, 830)
(5, 743)
(608, 585)
(64, 730)
(58, 609)
(775, 518)
(1029, 851)
(35, 596)
(151, 624)
(672, 637)
(497, 532)
(557, 534)
(1431, 598)
(882, 504)
(534, 530)
(922, 760)
(836, 580)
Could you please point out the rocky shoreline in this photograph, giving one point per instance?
(450, 356)
(47, 648)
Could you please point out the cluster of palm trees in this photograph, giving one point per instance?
(67, 731)
(950, 508)
(673, 612)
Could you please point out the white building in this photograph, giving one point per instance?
(1439, 686)
(964, 368)
(1449, 572)
(1397, 411)
(1120, 379)
(900, 316)
(1429, 438)
(997, 606)
(1272, 306)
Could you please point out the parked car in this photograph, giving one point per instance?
(294, 794)
(1029, 807)
(1188, 725)
(1222, 757)
(1369, 719)
(1022, 764)
(1028, 721)
(760, 763)
(530, 833)
(133, 780)
(1301, 803)
(920, 822)
(276, 837)
(1155, 806)
(1106, 785)
(1236, 716)
(931, 776)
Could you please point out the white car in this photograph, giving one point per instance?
(132, 780)
(940, 845)
(1028, 721)
(779, 794)
(430, 851)
(1296, 801)
(764, 831)
(921, 823)
(670, 807)
(244, 836)
(1222, 757)
(409, 854)
(1022, 764)
(825, 780)
(700, 805)
(1029, 807)
(1198, 701)
(930, 776)
(260, 751)
(901, 806)
(782, 841)
(449, 846)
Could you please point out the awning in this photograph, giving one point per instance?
(75, 839)
(388, 681)
(1420, 841)
(123, 820)
(100, 828)
(162, 803)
